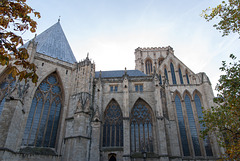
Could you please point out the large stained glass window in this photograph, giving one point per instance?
(173, 74)
(148, 66)
(112, 131)
(180, 75)
(5, 86)
(207, 144)
(141, 128)
(42, 123)
(193, 129)
(181, 125)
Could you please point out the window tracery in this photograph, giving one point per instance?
(148, 66)
(42, 123)
(141, 128)
(112, 126)
(5, 86)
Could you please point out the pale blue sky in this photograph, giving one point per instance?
(110, 30)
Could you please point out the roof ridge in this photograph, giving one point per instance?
(53, 42)
(48, 34)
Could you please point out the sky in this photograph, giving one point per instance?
(111, 30)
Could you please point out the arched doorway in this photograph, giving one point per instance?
(112, 157)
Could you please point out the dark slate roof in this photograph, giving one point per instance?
(119, 73)
(53, 42)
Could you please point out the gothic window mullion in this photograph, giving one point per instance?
(30, 131)
(45, 129)
(141, 118)
(148, 136)
(42, 124)
(144, 143)
(115, 135)
(52, 125)
(112, 137)
(39, 122)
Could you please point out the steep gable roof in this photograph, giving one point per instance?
(53, 42)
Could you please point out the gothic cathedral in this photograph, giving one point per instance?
(75, 113)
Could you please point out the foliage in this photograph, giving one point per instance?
(224, 119)
(229, 14)
(15, 19)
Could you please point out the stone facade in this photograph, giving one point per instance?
(86, 97)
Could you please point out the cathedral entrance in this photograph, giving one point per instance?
(112, 157)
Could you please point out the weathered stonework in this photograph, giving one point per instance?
(86, 95)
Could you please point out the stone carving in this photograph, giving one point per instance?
(79, 106)
(96, 117)
(83, 102)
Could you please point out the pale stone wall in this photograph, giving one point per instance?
(85, 100)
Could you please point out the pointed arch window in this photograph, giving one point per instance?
(166, 74)
(5, 87)
(148, 64)
(42, 123)
(181, 125)
(173, 74)
(112, 133)
(193, 129)
(160, 79)
(207, 144)
(141, 128)
(187, 78)
(180, 75)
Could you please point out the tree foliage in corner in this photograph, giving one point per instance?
(224, 119)
(15, 19)
(229, 14)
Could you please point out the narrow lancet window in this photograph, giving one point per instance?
(207, 144)
(180, 75)
(181, 126)
(160, 79)
(173, 74)
(193, 129)
(112, 131)
(42, 123)
(187, 78)
(166, 74)
(148, 66)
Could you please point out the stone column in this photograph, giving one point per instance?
(10, 124)
(126, 126)
(95, 140)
